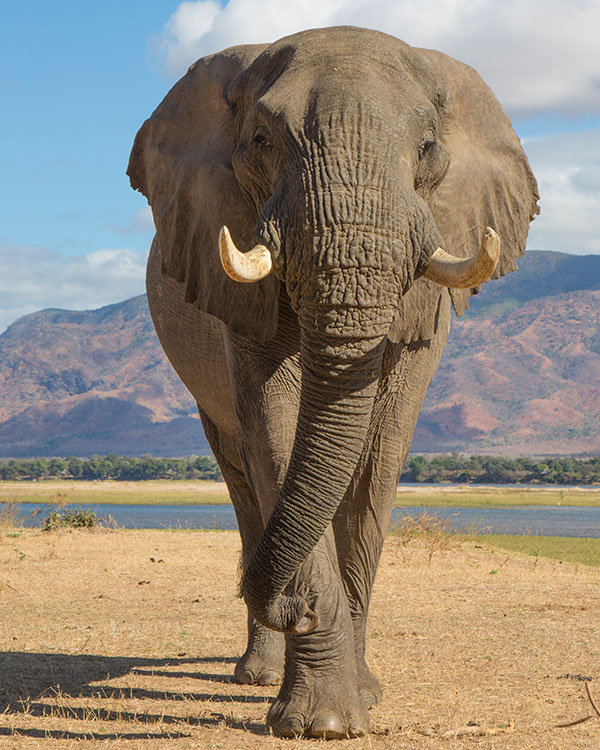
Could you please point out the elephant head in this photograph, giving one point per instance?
(344, 158)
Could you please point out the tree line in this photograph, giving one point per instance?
(499, 470)
(111, 467)
(419, 469)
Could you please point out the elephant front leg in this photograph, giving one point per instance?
(262, 661)
(320, 695)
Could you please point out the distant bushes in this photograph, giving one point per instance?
(498, 470)
(446, 468)
(111, 467)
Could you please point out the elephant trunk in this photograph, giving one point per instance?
(355, 242)
(340, 372)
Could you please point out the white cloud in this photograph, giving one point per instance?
(203, 27)
(567, 167)
(43, 278)
(537, 55)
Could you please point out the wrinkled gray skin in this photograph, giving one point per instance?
(352, 156)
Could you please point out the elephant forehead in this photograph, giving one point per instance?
(329, 68)
(329, 46)
(317, 91)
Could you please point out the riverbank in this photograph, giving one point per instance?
(563, 549)
(206, 492)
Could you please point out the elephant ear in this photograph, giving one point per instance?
(489, 181)
(181, 162)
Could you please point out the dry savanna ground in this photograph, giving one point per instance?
(127, 639)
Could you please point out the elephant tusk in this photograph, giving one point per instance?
(244, 267)
(464, 273)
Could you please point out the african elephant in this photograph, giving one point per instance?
(342, 160)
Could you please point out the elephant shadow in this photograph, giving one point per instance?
(27, 678)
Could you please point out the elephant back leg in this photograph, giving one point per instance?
(363, 517)
(262, 661)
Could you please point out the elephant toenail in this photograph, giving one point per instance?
(269, 678)
(246, 677)
(369, 700)
(291, 726)
(327, 726)
(356, 729)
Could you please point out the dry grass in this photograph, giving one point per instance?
(432, 532)
(10, 517)
(127, 639)
(152, 492)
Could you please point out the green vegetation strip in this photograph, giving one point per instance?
(561, 548)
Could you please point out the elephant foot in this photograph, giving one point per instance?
(320, 703)
(369, 687)
(262, 662)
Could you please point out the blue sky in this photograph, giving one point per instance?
(82, 77)
(80, 82)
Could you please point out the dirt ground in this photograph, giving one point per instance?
(127, 639)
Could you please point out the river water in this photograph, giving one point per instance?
(546, 520)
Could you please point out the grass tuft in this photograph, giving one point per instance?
(10, 517)
(432, 531)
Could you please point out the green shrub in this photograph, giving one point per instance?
(70, 519)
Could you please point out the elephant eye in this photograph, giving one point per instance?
(261, 138)
(426, 147)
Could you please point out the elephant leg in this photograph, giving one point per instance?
(262, 661)
(319, 696)
(363, 518)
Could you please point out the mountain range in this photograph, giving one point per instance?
(520, 375)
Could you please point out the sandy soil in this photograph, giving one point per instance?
(127, 639)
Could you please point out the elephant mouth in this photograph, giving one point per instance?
(444, 269)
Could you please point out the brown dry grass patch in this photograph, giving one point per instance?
(127, 639)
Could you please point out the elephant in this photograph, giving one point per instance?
(371, 187)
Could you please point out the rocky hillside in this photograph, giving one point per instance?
(77, 383)
(520, 374)
(520, 382)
